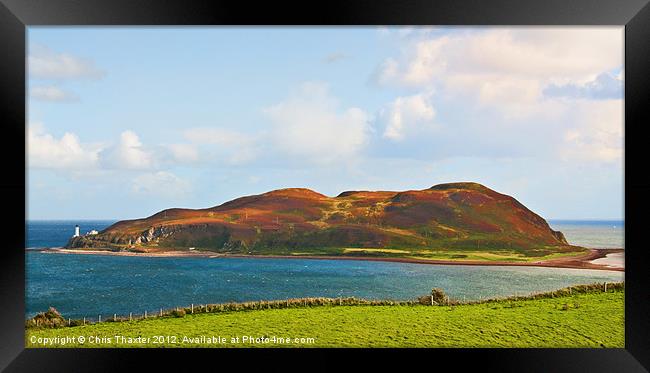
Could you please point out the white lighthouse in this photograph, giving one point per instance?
(76, 231)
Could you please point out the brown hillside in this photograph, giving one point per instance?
(458, 216)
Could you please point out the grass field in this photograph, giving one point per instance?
(488, 256)
(581, 320)
(433, 254)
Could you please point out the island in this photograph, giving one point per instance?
(452, 223)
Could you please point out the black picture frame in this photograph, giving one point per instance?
(16, 15)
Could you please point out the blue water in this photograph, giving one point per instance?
(592, 233)
(56, 233)
(90, 285)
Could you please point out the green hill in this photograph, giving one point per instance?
(455, 217)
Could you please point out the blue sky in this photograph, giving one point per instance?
(123, 122)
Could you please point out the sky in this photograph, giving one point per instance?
(123, 122)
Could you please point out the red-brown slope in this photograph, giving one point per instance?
(454, 215)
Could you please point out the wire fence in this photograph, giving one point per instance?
(52, 318)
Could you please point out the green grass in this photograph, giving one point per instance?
(488, 256)
(593, 319)
(426, 254)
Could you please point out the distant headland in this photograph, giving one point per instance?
(455, 222)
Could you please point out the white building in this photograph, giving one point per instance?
(76, 231)
(92, 232)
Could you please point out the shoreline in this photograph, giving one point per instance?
(583, 261)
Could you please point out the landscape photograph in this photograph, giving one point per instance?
(349, 187)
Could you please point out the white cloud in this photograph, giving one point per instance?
(597, 134)
(73, 159)
(605, 86)
(508, 92)
(69, 153)
(408, 114)
(52, 94)
(543, 53)
(44, 63)
(309, 125)
(387, 72)
(506, 69)
(185, 153)
(66, 153)
(161, 184)
(128, 153)
(228, 145)
(513, 97)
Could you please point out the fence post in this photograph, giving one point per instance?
(99, 318)
(114, 317)
(605, 287)
(84, 321)
(145, 314)
(192, 307)
(130, 316)
(68, 322)
(432, 299)
(161, 312)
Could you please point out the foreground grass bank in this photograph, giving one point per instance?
(594, 319)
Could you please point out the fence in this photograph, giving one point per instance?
(41, 320)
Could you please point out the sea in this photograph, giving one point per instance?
(93, 285)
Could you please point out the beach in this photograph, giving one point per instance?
(612, 260)
(597, 259)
